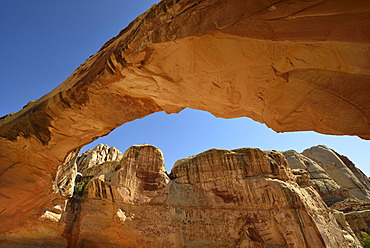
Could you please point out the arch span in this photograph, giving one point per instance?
(295, 66)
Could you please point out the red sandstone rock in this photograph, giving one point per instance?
(219, 198)
(292, 65)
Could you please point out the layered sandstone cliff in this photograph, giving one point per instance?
(91, 159)
(329, 189)
(219, 198)
(294, 65)
(334, 176)
(339, 171)
(339, 182)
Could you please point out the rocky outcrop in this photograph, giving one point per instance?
(355, 214)
(334, 176)
(88, 163)
(300, 65)
(341, 185)
(338, 171)
(263, 183)
(65, 176)
(358, 173)
(219, 198)
(351, 205)
(359, 221)
(328, 189)
(352, 238)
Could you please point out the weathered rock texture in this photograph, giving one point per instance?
(261, 183)
(339, 182)
(328, 189)
(359, 221)
(352, 238)
(65, 176)
(219, 198)
(94, 157)
(338, 171)
(294, 65)
(354, 214)
(358, 173)
(334, 176)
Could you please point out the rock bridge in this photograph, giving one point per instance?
(293, 65)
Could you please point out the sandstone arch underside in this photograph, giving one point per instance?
(294, 65)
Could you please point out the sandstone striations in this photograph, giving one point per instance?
(219, 198)
(358, 173)
(338, 171)
(91, 159)
(294, 65)
(330, 175)
(329, 190)
(339, 182)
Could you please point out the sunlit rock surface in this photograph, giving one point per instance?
(329, 190)
(341, 185)
(92, 158)
(300, 65)
(358, 173)
(330, 175)
(338, 171)
(219, 198)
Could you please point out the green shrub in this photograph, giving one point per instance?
(365, 239)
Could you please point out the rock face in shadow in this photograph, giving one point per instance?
(219, 198)
(294, 65)
(359, 221)
(355, 214)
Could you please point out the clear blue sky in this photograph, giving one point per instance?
(43, 42)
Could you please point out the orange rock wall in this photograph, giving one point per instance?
(294, 65)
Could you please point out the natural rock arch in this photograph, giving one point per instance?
(292, 65)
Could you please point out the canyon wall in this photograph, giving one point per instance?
(341, 185)
(339, 171)
(219, 198)
(294, 65)
(328, 188)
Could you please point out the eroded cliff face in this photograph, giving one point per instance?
(339, 171)
(358, 173)
(334, 176)
(329, 189)
(342, 186)
(294, 65)
(89, 161)
(219, 198)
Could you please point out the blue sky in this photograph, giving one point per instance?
(43, 42)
